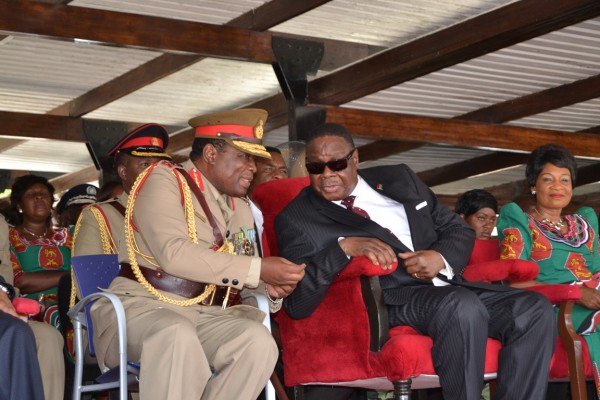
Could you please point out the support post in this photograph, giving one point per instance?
(296, 59)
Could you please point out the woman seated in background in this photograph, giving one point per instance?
(40, 253)
(565, 246)
(478, 208)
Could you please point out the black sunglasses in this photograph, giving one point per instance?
(315, 168)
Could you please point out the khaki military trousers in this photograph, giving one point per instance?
(192, 352)
(49, 344)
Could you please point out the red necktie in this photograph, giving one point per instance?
(348, 202)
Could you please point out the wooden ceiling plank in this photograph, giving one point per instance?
(125, 84)
(536, 103)
(472, 38)
(594, 129)
(383, 148)
(134, 30)
(55, 2)
(381, 125)
(273, 13)
(67, 181)
(44, 126)
(475, 166)
(337, 53)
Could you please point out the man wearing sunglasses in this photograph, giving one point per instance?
(388, 214)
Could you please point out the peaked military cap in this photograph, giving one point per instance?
(79, 194)
(243, 129)
(148, 140)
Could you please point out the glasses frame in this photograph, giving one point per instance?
(340, 164)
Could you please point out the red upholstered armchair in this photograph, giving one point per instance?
(346, 340)
(571, 361)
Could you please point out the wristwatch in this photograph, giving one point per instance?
(9, 290)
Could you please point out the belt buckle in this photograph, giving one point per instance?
(226, 298)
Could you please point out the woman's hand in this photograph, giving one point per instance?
(590, 298)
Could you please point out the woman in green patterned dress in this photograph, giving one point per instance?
(565, 246)
(40, 253)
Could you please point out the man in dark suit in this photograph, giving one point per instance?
(388, 214)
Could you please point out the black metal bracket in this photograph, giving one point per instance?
(296, 59)
(101, 136)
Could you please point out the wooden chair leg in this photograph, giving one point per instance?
(492, 388)
(279, 388)
(574, 348)
(402, 389)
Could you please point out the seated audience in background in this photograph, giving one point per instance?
(266, 170)
(40, 253)
(478, 208)
(109, 190)
(565, 246)
(26, 352)
(388, 214)
(72, 202)
(101, 226)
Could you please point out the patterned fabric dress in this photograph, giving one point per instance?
(570, 258)
(38, 255)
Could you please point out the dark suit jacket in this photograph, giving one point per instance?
(309, 227)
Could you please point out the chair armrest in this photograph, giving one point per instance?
(360, 266)
(262, 304)
(514, 270)
(557, 293)
(379, 326)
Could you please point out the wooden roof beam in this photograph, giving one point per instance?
(472, 38)
(536, 103)
(475, 166)
(272, 13)
(390, 126)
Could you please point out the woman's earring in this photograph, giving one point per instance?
(533, 192)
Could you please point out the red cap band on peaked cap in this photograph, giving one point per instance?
(146, 141)
(214, 130)
(145, 136)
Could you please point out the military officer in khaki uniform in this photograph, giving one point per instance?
(190, 248)
(100, 227)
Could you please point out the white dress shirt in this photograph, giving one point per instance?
(391, 215)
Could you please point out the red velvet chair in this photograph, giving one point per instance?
(346, 340)
(571, 361)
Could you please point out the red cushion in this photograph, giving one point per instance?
(485, 265)
(332, 345)
(402, 356)
(559, 368)
(500, 270)
(556, 293)
(25, 306)
(271, 197)
(485, 250)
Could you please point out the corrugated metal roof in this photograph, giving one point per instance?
(38, 75)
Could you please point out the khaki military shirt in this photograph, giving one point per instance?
(100, 229)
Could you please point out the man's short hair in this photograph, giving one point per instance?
(330, 129)
(272, 149)
(199, 144)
